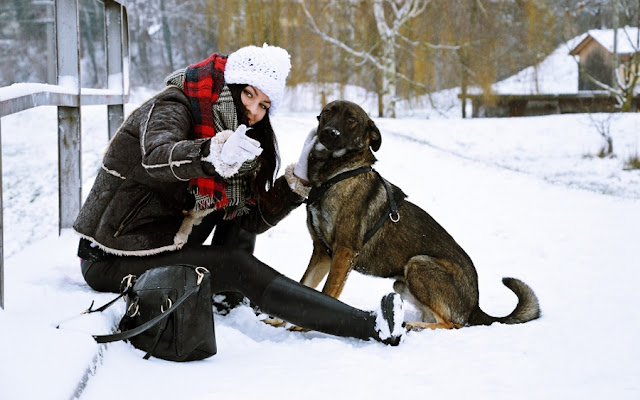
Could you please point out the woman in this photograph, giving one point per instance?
(197, 154)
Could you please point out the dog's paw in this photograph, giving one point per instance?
(276, 322)
(415, 326)
(294, 328)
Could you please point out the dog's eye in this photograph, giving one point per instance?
(351, 120)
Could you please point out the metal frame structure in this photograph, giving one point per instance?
(68, 96)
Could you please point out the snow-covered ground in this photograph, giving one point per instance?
(523, 196)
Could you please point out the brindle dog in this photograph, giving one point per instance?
(358, 221)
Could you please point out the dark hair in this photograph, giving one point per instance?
(263, 132)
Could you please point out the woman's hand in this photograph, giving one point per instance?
(300, 170)
(240, 148)
(229, 150)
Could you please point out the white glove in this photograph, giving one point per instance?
(301, 167)
(240, 148)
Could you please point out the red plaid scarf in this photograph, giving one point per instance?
(202, 85)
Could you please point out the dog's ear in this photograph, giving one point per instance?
(375, 139)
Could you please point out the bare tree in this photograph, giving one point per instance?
(602, 124)
(390, 17)
(622, 77)
(626, 73)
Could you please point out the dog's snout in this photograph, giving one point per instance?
(331, 131)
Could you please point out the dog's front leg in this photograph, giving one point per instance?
(341, 264)
(318, 266)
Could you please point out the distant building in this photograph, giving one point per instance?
(557, 85)
(595, 53)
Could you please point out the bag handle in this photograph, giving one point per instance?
(147, 325)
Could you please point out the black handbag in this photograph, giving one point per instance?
(169, 313)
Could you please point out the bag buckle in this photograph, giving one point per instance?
(169, 305)
(200, 271)
(133, 308)
(127, 283)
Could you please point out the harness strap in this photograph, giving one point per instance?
(316, 193)
(393, 214)
(391, 210)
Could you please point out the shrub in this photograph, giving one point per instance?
(633, 162)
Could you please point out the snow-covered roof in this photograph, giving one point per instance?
(557, 73)
(628, 40)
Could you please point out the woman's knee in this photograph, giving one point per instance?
(224, 257)
(97, 277)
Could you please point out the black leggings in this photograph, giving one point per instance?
(238, 271)
(231, 269)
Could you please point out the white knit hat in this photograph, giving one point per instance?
(265, 67)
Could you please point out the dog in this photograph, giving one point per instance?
(359, 221)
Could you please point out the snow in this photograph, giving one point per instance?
(382, 326)
(524, 196)
(24, 89)
(557, 73)
(627, 39)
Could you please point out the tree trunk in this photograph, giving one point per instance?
(389, 81)
(166, 36)
(87, 25)
(388, 60)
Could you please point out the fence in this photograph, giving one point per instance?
(68, 96)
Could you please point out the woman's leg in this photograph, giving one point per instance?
(272, 292)
(229, 234)
(231, 269)
(277, 295)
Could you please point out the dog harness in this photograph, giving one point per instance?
(317, 192)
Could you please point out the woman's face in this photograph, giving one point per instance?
(256, 103)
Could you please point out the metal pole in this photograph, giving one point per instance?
(616, 23)
(1, 231)
(126, 77)
(51, 52)
(115, 76)
(68, 57)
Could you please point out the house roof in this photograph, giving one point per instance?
(558, 72)
(628, 42)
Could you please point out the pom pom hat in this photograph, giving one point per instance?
(265, 67)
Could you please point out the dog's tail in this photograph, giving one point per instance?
(527, 309)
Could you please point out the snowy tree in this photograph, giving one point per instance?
(626, 73)
(620, 77)
(390, 17)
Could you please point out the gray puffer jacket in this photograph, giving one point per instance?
(140, 204)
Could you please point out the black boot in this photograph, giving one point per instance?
(307, 308)
(230, 234)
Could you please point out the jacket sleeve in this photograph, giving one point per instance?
(168, 149)
(279, 201)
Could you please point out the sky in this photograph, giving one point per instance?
(525, 197)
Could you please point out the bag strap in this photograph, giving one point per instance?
(156, 340)
(147, 325)
(125, 287)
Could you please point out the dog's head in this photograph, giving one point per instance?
(344, 126)
(346, 137)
